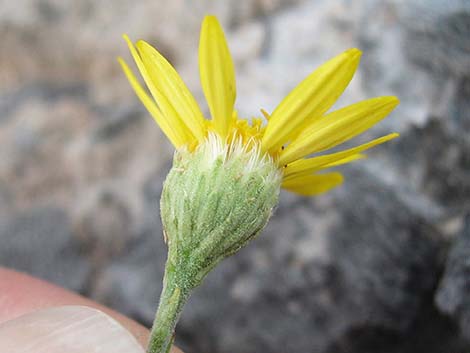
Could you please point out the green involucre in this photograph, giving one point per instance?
(214, 201)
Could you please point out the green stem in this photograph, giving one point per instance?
(172, 300)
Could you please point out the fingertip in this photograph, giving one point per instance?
(80, 329)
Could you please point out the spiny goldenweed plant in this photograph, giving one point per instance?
(227, 172)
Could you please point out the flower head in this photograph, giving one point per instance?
(298, 128)
(227, 172)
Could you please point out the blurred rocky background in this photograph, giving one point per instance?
(382, 264)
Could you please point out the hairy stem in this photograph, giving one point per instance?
(172, 300)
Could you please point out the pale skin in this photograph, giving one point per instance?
(21, 294)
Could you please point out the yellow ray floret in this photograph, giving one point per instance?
(315, 184)
(171, 86)
(339, 126)
(311, 165)
(181, 130)
(310, 99)
(296, 130)
(177, 138)
(217, 74)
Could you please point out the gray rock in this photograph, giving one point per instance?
(387, 260)
(453, 294)
(438, 35)
(103, 224)
(39, 241)
(434, 162)
(42, 91)
(116, 121)
(460, 107)
(132, 281)
(438, 42)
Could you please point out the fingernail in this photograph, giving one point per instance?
(77, 329)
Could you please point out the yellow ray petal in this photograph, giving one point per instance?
(217, 74)
(182, 133)
(309, 185)
(169, 83)
(310, 99)
(337, 127)
(311, 165)
(352, 158)
(161, 120)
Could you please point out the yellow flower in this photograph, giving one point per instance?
(296, 130)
